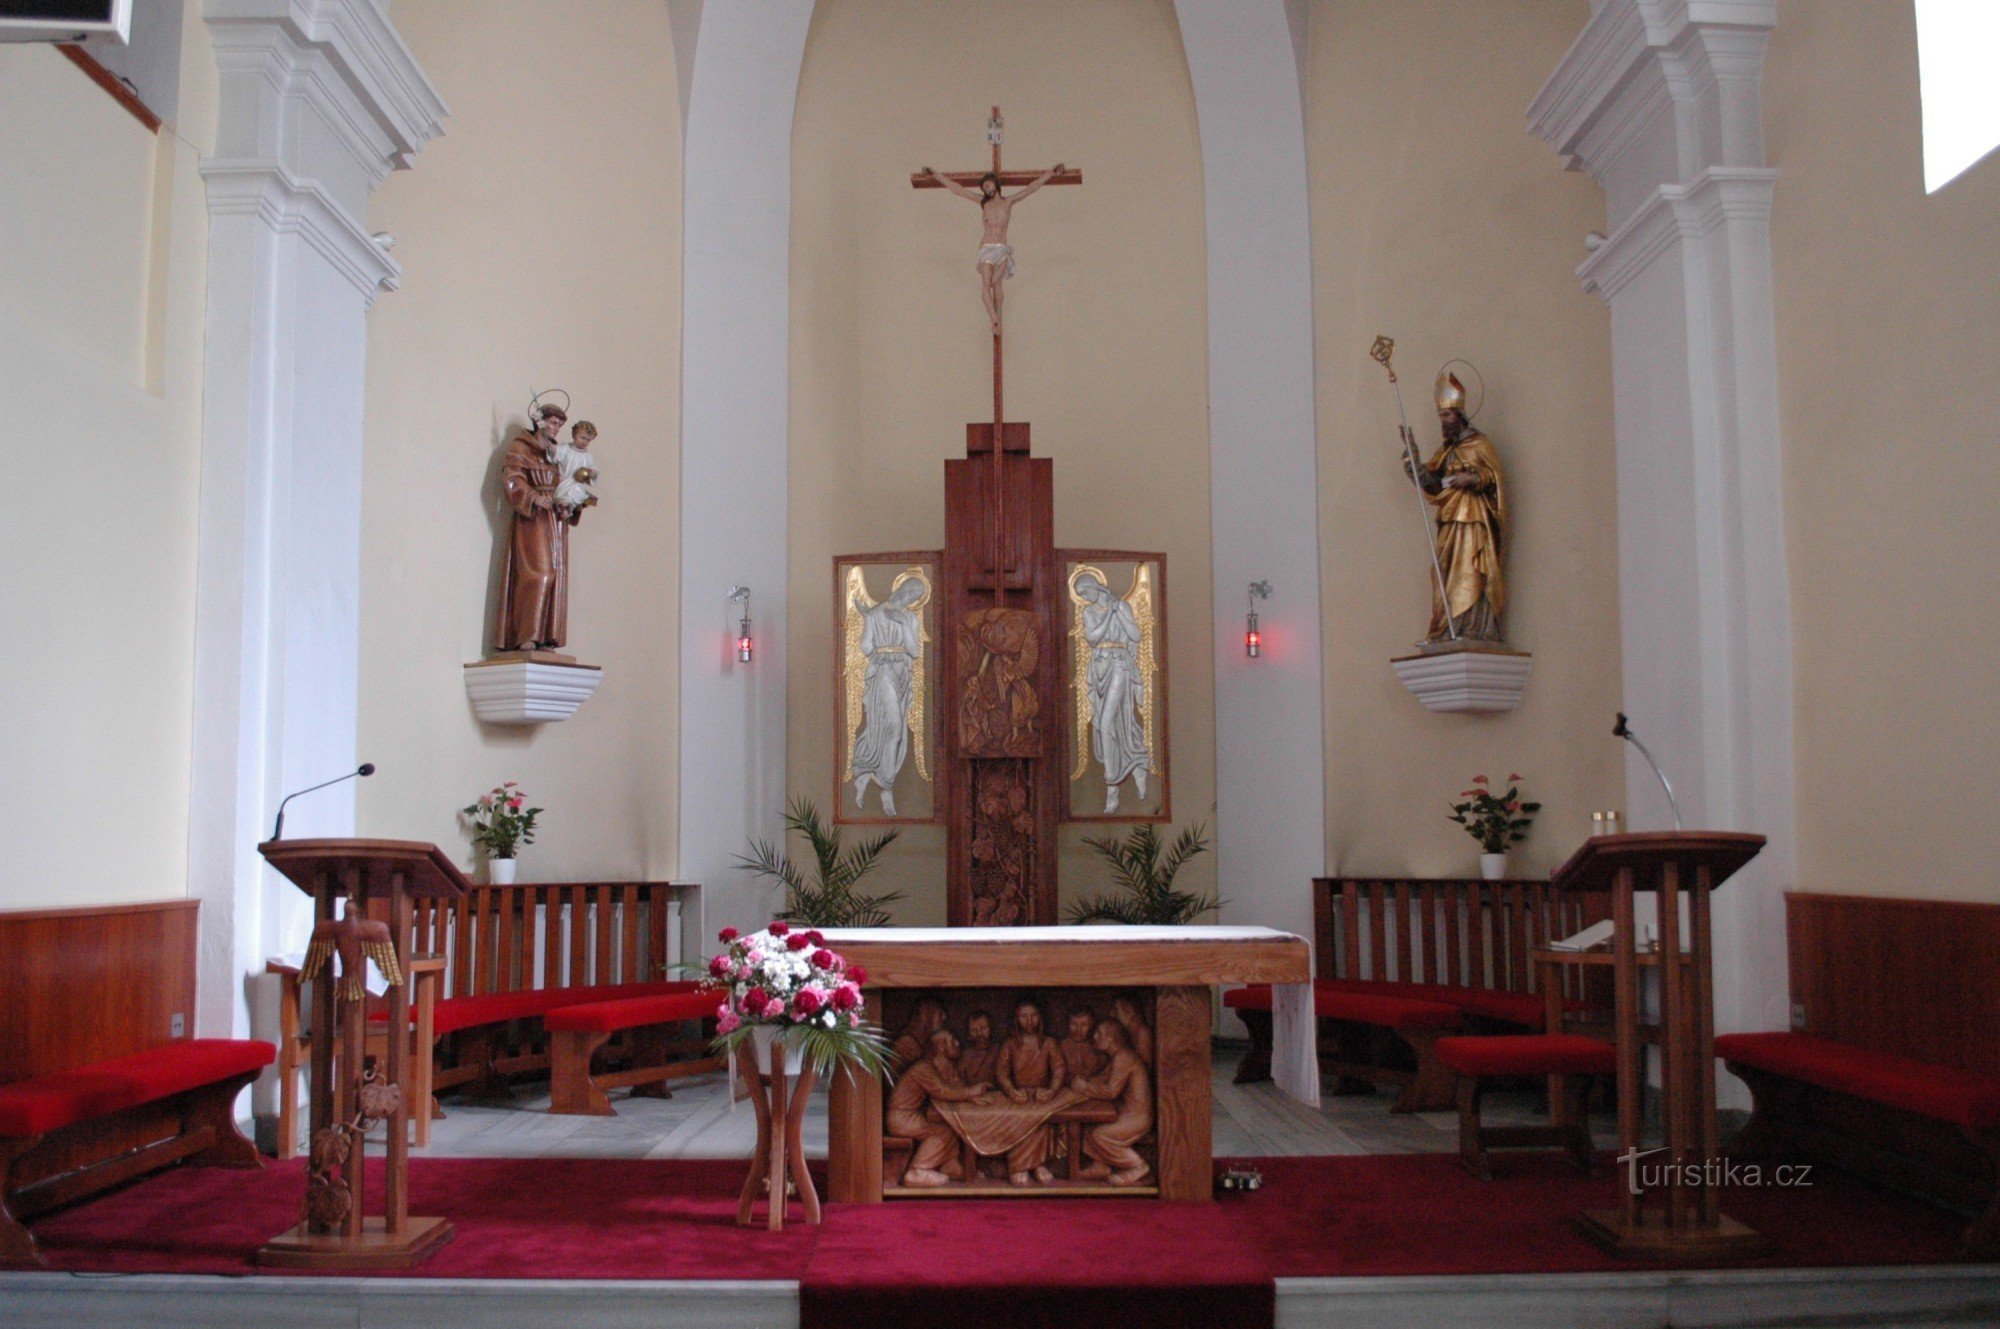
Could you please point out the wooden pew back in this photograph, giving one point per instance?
(1456, 931)
(1919, 978)
(548, 935)
(83, 985)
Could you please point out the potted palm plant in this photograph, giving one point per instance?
(1143, 868)
(828, 899)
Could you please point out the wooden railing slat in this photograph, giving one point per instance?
(1378, 941)
(507, 953)
(1350, 930)
(601, 924)
(628, 948)
(658, 906)
(1405, 970)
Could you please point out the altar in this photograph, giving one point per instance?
(1052, 1061)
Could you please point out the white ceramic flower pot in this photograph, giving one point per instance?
(1493, 867)
(762, 1036)
(500, 871)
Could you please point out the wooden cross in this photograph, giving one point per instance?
(1008, 179)
(1001, 575)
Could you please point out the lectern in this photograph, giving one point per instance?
(1678, 1218)
(374, 877)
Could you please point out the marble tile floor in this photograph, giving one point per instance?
(697, 1122)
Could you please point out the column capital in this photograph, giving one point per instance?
(324, 88)
(1654, 92)
(1677, 213)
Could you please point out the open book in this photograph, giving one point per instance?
(1597, 934)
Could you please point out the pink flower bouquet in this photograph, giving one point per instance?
(501, 821)
(787, 979)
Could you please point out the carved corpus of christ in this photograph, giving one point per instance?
(996, 210)
(996, 255)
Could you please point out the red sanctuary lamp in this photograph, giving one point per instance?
(1253, 637)
(745, 648)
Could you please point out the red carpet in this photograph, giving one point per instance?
(1106, 1263)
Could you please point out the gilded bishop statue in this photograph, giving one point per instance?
(1462, 481)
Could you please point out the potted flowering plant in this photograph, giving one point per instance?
(782, 984)
(1497, 821)
(501, 822)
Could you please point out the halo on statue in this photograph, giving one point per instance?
(535, 403)
(1445, 368)
(1086, 570)
(910, 574)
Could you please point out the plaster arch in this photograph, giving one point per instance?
(1270, 777)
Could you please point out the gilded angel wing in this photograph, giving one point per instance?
(1141, 599)
(919, 746)
(1079, 670)
(853, 664)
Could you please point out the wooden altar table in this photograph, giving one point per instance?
(1176, 966)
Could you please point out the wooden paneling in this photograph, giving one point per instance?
(1920, 978)
(83, 985)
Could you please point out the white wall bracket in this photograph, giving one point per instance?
(1481, 680)
(529, 691)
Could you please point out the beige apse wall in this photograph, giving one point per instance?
(1438, 220)
(1106, 328)
(103, 250)
(1887, 301)
(540, 243)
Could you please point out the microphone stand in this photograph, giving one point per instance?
(1624, 731)
(278, 830)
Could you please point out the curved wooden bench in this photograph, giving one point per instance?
(1416, 1022)
(1878, 1113)
(196, 1079)
(578, 1031)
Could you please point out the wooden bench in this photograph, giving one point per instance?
(578, 1033)
(1462, 943)
(96, 1085)
(508, 955)
(1894, 1069)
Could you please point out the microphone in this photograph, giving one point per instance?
(1624, 731)
(278, 831)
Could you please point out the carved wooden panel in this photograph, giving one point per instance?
(1065, 1082)
(1002, 622)
(999, 656)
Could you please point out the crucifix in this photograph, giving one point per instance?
(1005, 613)
(996, 265)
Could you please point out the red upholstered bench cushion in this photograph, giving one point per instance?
(1948, 1093)
(608, 1017)
(1361, 1007)
(1527, 1054)
(455, 1013)
(1523, 1008)
(50, 1102)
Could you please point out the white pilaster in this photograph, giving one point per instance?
(1660, 101)
(320, 99)
(1270, 758)
(736, 319)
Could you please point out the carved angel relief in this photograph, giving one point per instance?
(884, 684)
(1115, 682)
